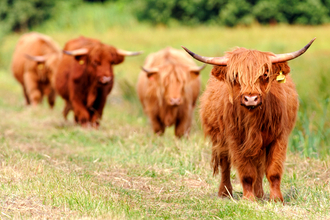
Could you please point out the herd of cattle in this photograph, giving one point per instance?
(248, 109)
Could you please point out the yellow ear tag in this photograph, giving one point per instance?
(81, 62)
(281, 78)
(40, 66)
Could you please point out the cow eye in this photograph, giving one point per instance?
(266, 73)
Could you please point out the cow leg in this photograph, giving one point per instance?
(32, 89)
(95, 119)
(51, 98)
(274, 168)
(81, 113)
(98, 106)
(67, 109)
(183, 124)
(27, 100)
(248, 175)
(180, 128)
(258, 189)
(157, 125)
(225, 188)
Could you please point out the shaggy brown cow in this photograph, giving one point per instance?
(249, 109)
(85, 77)
(34, 63)
(168, 87)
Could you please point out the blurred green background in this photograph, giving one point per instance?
(24, 14)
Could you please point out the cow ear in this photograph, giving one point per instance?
(151, 73)
(80, 55)
(219, 72)
(194, 71)
(79, 67)
(278, 67)
(81, 59)
(116, 58)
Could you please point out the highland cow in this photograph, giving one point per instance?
(34, 63)
(248, 110)
(168, 87)
(85, 77)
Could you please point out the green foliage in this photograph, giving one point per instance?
(74, 15)
(303, 12)
(187, 12)
(235, 12)
(311, 134)
(18, 15)
(23, 14)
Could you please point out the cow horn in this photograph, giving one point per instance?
(152, 70)
(128, 53)
(198, 68)
(36, 58)
(290, 56)
(220, 61)
(78, 52)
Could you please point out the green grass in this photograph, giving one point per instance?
(54, 169)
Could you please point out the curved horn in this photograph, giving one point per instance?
(78, 52)
(36, 58)
(152, 70)
(220, 61)
(198, 68)
(289, 56)
(128, 53)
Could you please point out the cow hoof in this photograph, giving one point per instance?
(249, 196)
(276, 198)
(95, 125)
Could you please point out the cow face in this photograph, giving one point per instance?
(172, 80)
(101, 58)
(249, 75)
(98, 59)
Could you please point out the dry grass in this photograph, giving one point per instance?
(31, 208)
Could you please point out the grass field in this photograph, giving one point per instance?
(54, 169)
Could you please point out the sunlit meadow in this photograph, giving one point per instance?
(50, 168)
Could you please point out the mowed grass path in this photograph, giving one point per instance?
(54, 169)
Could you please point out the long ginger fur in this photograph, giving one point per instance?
(172, 78)
(253, 141)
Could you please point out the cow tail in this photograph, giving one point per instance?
(215, 161)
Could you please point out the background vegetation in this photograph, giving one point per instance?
(24, 14)
(50, 168)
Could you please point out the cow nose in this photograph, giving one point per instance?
(175, 101)
(105, 79)
(249, 100)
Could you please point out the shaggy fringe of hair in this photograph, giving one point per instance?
(245, 67)
(173, 64)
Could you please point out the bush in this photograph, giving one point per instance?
(186, 12)
(18, 15)
(236, 12)
(305, 12)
